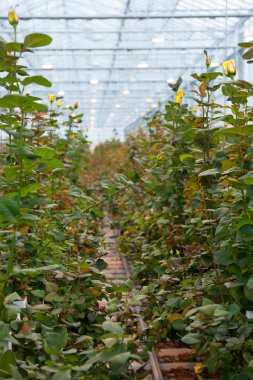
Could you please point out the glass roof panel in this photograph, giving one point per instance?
(130, 47)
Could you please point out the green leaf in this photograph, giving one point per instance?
(37, 40)
(208, 310)
(9, 211)
(248, 54)
(32, 187)
(245, 44)
(12, 297)
(250, 283)
(27, 103)
(56, 340)
(38, 293)
(223, 257)
(187, 159)
(120, 359)
(248, 293)
(112, 327)
(44, 152)
(175, 86)
(34, 271)
(178, 324)
(27, 152)
(14, 46)
(37, 79)
(7, 360)
(193, 338)
(206, 76)
(11, 173)
(41, 307)
(53, 163)
(85, 339)
(247, 178)
(29, 217)
(101, 264)
(62, 375)
(246, 229)
(209, 172)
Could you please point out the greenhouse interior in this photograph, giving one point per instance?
(126, 201)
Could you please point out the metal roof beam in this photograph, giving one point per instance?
(160, 54)
(137, 31)
(209, 15)
(116, 68)
(140, 48)
(106, 81)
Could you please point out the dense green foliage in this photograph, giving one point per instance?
(52, 323)
(188, 226)
(183, 202)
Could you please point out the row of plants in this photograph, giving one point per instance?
(52, 323)
(187, 224)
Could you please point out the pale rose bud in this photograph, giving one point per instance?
(13, 18)
(229, 68)
(208, 61)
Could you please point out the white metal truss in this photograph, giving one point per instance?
(130, 47)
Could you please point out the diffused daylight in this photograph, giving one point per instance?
(126, 190)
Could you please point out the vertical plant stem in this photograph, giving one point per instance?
(12, 252)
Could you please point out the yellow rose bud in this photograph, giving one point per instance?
(59, 102)
(229, 68)
(178, 99)
(51, 98)
(208, 61)
(181, 93)
(195, 108)
(13, 18)
(77, 105)
(198, 368)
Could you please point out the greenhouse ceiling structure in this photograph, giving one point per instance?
(116, 58)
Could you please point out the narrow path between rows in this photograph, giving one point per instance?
(170, 362)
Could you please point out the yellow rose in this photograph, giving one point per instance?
(195, 108)
(229, 68)
(59, 103)
(51, 98)
(198, 368)
(13, 18)
(178, 99)
(181, 93)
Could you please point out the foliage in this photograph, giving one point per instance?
(188, 226)
(52, 321)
